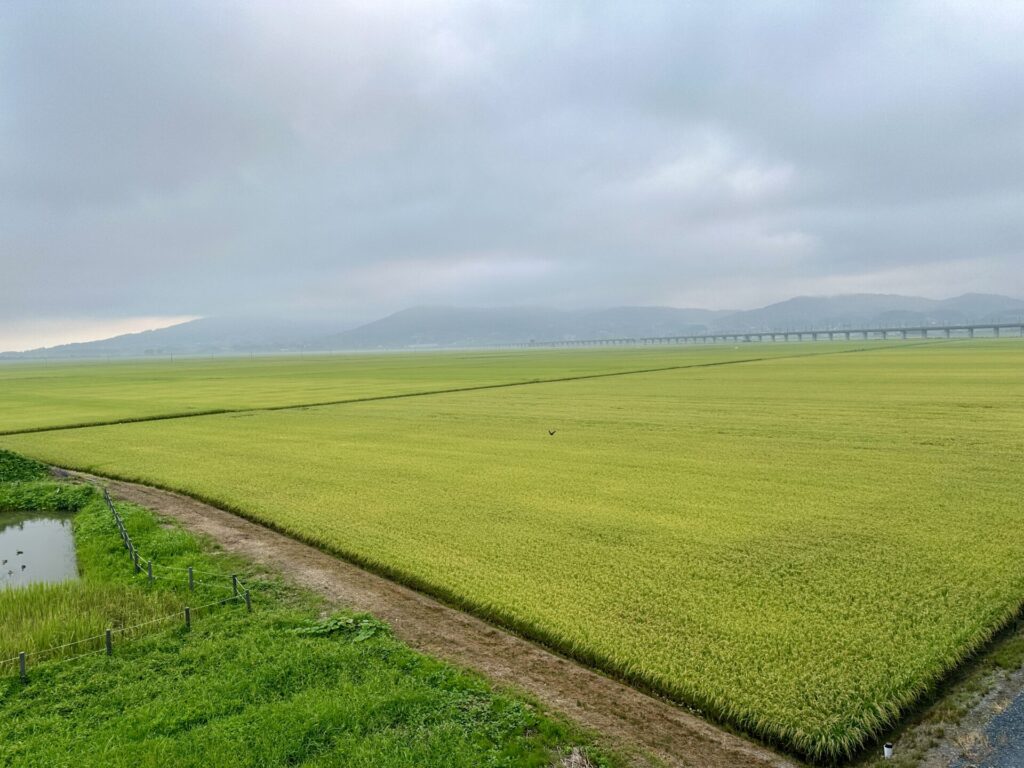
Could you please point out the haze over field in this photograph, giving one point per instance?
(454, 327)
(335, 164)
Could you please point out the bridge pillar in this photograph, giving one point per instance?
(903, 334)
(996, 329)
(947, 332)
(847, 335)
(970, 332)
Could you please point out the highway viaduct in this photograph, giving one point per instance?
(846, 334)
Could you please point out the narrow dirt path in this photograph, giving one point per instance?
(638, 724)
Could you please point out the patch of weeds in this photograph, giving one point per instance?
(15, 468)
(356, 628)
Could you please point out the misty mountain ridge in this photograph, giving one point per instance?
(874, 310)
(433, 327)
(205, 336)
(456, 326)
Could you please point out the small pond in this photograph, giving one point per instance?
(36, 547)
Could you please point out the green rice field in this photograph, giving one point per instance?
(38, 395)
(799, 546)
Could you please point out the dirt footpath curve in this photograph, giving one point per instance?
(629, 720)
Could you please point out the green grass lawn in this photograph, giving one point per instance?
(39, 396)
(279, 686)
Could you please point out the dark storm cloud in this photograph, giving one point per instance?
(210, 158)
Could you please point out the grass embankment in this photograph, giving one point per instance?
(280, 686)
(800, 548)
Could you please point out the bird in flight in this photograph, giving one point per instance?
(552, 431)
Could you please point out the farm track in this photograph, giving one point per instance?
(650, 730)
(444, 391)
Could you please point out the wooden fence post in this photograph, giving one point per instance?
(110, 644)
(21, 667)
(188, 617)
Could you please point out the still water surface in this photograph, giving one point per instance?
(36, 547)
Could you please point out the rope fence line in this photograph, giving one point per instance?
(240, 592)
(238, 587)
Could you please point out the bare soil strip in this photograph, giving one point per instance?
(648, 729)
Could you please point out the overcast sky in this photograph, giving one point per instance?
(161, 160)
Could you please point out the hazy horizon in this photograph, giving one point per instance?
(66, 334)
(176, 160)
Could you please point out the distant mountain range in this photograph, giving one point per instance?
(449, 327)
(206, 336)
(457, 327)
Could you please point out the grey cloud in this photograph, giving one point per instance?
(209, 158)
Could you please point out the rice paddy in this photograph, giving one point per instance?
(800, 547)
(46, 395)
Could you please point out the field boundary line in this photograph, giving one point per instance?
(454, 390)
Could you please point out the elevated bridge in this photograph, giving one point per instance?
(845, 334)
